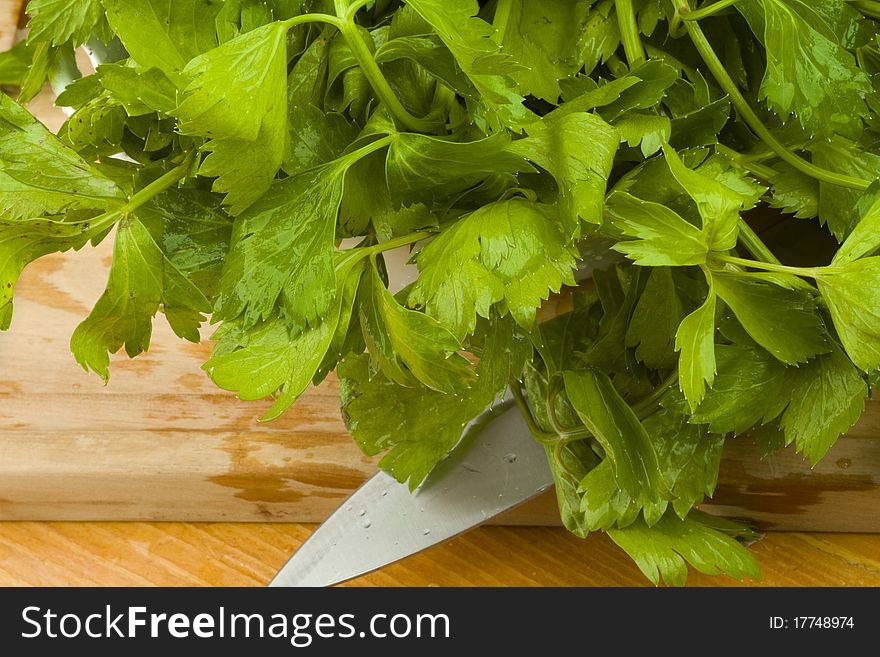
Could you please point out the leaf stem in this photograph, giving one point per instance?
(501, 19)
(751, 163)
(629, 32)
(706, 11)
(377, 80)
(543, 437)
(565, 434)
(142, 196)
(397, 242)
(312, 18)
(356, 6)
(869, 8)
(372, 147)
(754, 244)
(646, 406)
(751, 118)
(803, 272)
(159, 185)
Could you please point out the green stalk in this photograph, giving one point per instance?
(397, 242)
(705, 12)
(543, 437)
(629, 32)
(377, 81)
(501, 19)
(803, 272)
(753, 243)
(869, 8)
(752, 120)
(369, 149)
(749, 163)
(344, 22)
(142, 196)
(159, 185)
(312, 18)
(356, 6)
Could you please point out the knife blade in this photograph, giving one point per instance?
(496, 466)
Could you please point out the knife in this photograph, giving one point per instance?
(496, 466)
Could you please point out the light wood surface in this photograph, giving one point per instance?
(9, 15)
(175, 554)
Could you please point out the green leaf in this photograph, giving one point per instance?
(655, 321)
(665, 549)
(863, 240)
(429, 52)
(367, 199)
(603, 504)
(700, 127)
(238, 97)
(718, 205)
(420, 425)
(348, 89)
(420, 167)
(40, 176)
(661, 236)
(316, 138)
(273, 358)
(245, 170)
(59, 21)
(282, 248)
(544, 36)
(166, 34)
(254, 66)
(409, 346)
(654, 78)
(827, 397)
(783, 321)
(695, 339)
(560, 338)
(689, 456)
(97, 128)
(618, 291)
(750, 387)
(44, 58)
(839, 207)
(852, 292)
(649, 131)
(470, 40)
(14, 63)
(614, 425)
(809, 73)
(195, 233)
(141, 279)
(600, 37)
(24, 240)
(578, 150)
(511, 252)
(140, 91)
(794, 192)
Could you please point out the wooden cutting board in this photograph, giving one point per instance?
(160, 442)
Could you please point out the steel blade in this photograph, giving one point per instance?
(496, 466)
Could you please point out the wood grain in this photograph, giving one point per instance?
(178, 554)
(10, 11)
